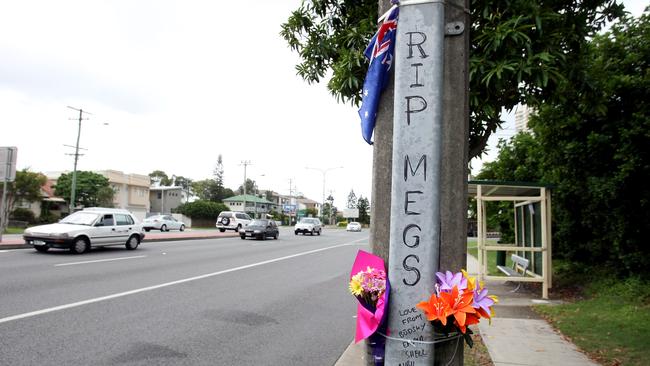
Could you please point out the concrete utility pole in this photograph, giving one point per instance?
(324, 172)
(73, 186)
(453, 161)
(245, 163)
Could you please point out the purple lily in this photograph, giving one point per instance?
(448, 280)
(482, 300)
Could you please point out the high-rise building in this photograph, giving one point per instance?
(522, 115)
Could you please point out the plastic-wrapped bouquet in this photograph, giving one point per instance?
(368, 283)
(458, 302)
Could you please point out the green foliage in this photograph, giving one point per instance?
(519, 160)
(92, 189)
(521, 51)
(342, 224)
(23, 214)
(352, 199)
(311, 212)
(251, 187)
(202, 209)
(364, 210)
(596, 151)
(26, 188)
(160, 177)
(210, 190)
(591, 145)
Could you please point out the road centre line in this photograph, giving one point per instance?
(99, 260)
(177, 282)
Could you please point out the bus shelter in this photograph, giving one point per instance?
(532, 230)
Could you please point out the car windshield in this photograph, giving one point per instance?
(259, 223)
(156, 217)
(309, 221)
(80, 218)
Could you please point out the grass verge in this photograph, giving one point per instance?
(14, 230)
(477, 355)
(606, 318)
(472, 249)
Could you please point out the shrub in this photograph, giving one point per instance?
(23, 214)
(202, 209)
(342, 224)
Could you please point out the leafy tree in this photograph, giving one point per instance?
(92, 189)
(352, 199)
(218, 171)
(202, 209)
(311, 212)
(26, 187)
(596, 152)
(521, 51)
(364, 210)
(251, 187)
(160, 178)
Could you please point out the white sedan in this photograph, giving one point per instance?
(162, 223)
(354, 226)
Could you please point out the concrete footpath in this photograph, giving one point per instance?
(15, 241)
(517, 335)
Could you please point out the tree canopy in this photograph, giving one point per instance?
(521, 51)
(92, 189)
(26, 187)
(591, 145)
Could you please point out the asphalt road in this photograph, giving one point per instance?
(196, 302)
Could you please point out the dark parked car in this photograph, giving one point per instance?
(260, 229)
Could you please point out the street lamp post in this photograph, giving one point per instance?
(324, 172)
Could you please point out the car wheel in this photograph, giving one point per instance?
(182, 228)
(42, 248)
(163, 228)
(243, 237)
(263, 236)
(133, 242)
(295, 232)
(312, 232)
(275, 236)
(319, 230)
(238, 228)
(222, 230)
(147, 229)
(79, 246)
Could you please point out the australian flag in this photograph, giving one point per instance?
(380, 53)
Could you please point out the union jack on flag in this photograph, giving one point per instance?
(380, 53)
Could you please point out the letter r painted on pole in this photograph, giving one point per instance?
(422, 38)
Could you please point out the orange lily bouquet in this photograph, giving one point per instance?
(459, 301)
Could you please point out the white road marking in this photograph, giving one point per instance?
(3, 251)
(99, 260)
(150, 288)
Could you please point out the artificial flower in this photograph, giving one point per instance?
(460, 304)
(435, 309)
(448, 280)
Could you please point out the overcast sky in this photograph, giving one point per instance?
(177, 83)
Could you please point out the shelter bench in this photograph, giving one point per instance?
(517, 262)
